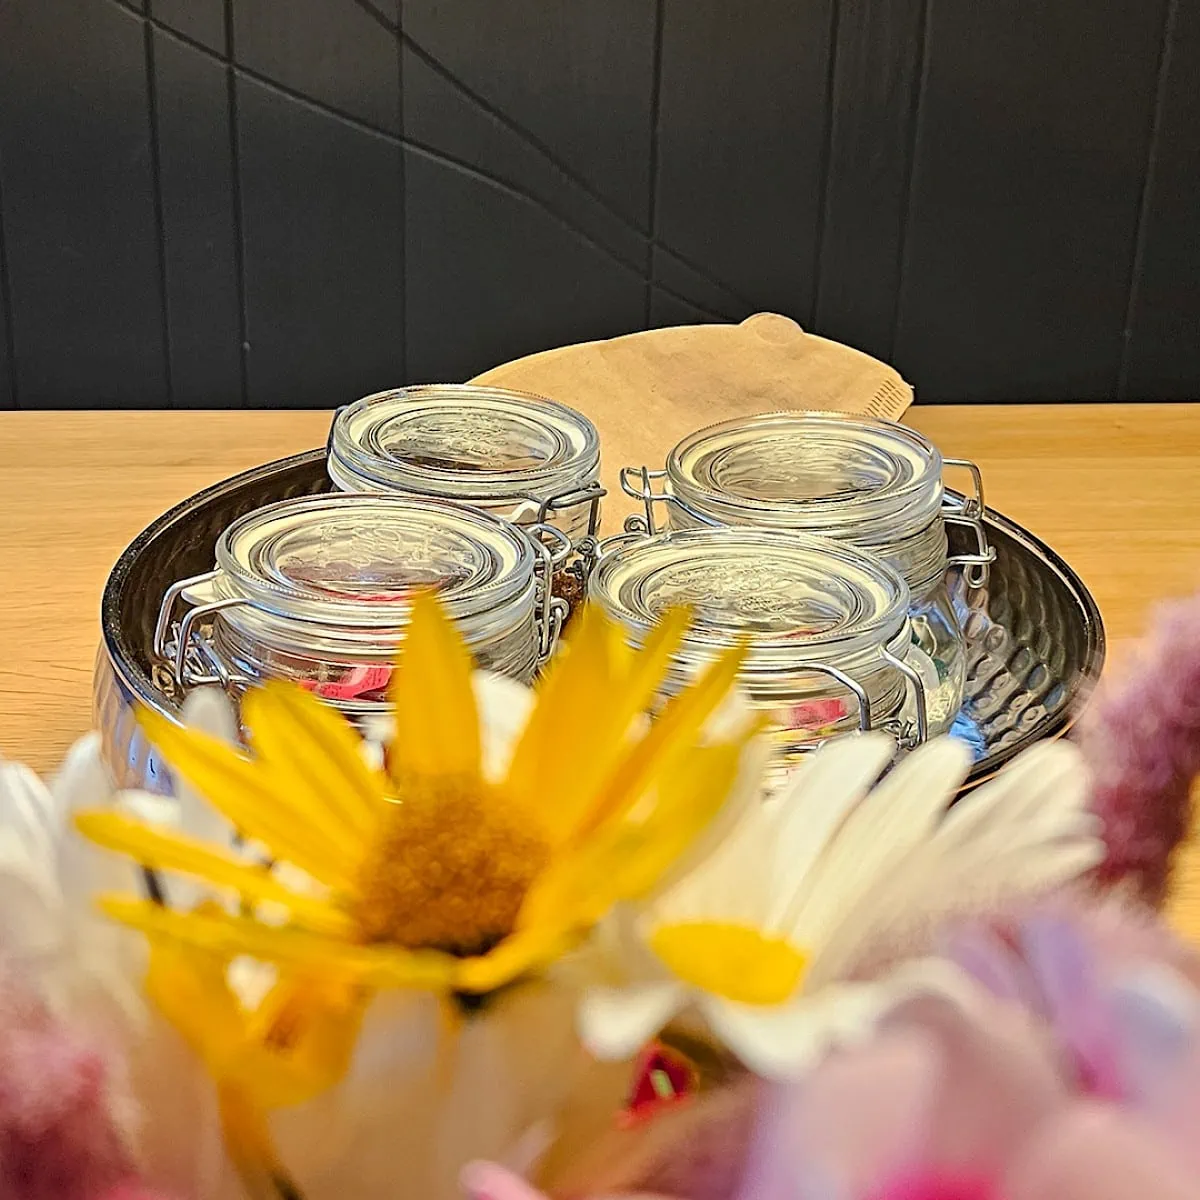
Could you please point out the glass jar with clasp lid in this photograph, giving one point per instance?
(525, 458)
(871, 483)
(319, 590)
(831, 648)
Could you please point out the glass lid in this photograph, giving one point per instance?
(358, 559)
(808, 470)
(788, 591)
(457, 439)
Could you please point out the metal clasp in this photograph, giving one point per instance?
(638, 484)
(975, 565)
(166, 611)
(969, 512)
(617, 541)
(851, 684)
(180, 646)
(918, 689)
(590, 494)
(551, 610)
(971, 505)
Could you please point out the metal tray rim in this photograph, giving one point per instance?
(139, 686)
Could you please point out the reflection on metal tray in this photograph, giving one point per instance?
(1034, 637)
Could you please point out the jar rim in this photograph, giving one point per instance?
(879, 476)
(282, 561)
(794, 595)
(561, 446)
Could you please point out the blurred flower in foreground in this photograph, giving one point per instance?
(769, 937)
(1141, 738)
(467, 866)
(58, 1136)
(1000, 1100)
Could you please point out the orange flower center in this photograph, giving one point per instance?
(449, 869)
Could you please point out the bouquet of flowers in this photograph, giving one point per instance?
(530, 941)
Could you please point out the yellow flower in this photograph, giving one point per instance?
(297, 1042)
(434, 875)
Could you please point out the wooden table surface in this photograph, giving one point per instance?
(1114, 488)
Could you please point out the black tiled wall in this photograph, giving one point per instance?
(293, 202)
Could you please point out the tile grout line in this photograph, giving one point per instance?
(826, 163)
(910, 184)
(235, 169)
(403, 215)
(1141, 227)
(652, 173)
(10, 339)
(159, 215)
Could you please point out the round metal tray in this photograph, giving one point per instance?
(1035, 642)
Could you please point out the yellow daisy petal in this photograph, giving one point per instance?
(520, 954)
(437, 727)
(629, 858)
(301, 1039)
(674, 731)
(246, 1131)
(229, 936)
(317, 753)
(572, 741)
(188, 986)
(734, 961)
(249, 799)
(165, 850)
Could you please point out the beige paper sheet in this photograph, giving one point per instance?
(646, 391)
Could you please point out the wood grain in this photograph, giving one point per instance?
(1114, 488)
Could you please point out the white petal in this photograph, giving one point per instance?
(1049, 777)
(149, 807)
(83, 780)
(1016, 836)
(744, 798)
(898, 814)
(753, 876)
(814, 806)
(784, 1040)
(733, 714)
(504, 706)
(732, 884)
(31, 919)
(29, 812)
(208, 710)
(824, 789)
(614, 1023)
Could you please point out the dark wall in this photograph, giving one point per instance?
(293, 202)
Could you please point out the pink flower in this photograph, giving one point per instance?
(938, 1185)
(1142, 743)
(1077, 1077)
(57, 1138)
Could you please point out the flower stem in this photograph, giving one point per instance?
(251, 1147)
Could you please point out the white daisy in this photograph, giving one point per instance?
(764, 938)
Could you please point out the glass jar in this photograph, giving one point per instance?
(868, 482)
(319, 590)
(524, 458)
(831, 648)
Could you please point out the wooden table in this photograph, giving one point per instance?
(1114, 488)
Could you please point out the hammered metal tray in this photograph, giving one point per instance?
(1035, 642)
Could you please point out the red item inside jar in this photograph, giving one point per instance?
(358, 683)
(817, 716)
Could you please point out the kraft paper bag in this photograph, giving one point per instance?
(646, 391)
